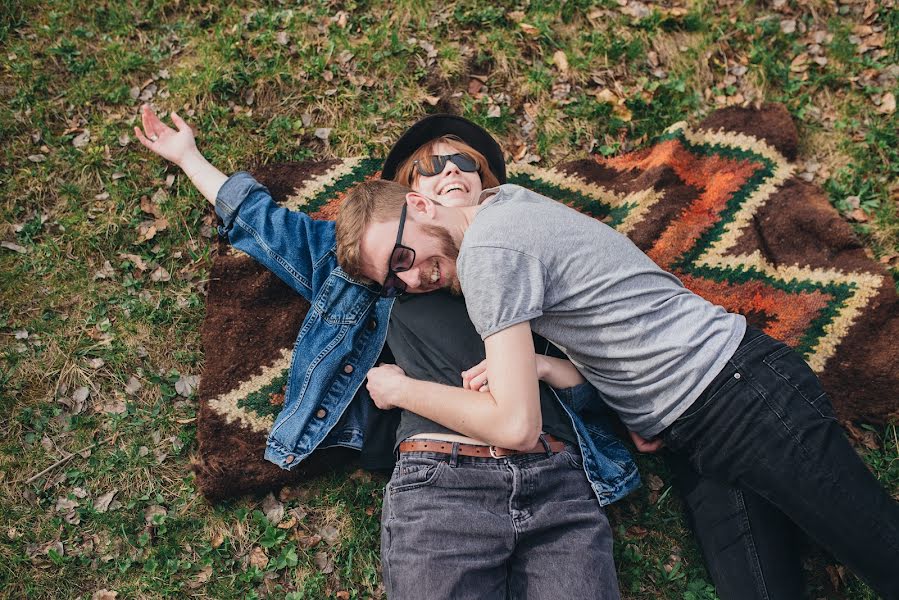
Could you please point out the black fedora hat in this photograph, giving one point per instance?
(434, 126)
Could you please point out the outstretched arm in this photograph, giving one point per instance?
(180, 147)
(507, 415)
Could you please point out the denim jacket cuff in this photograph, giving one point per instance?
(233, 192)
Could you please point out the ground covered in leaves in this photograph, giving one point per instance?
(105, 250)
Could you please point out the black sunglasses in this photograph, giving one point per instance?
(401, 259)
(433, 165)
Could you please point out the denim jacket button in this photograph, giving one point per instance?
(736, 375)
(348, 369)
(372, 325)
(289, 459)
(322, 413)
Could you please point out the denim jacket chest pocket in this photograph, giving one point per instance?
(337, 303)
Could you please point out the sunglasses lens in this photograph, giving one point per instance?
(401, 259)
(393, 286)
(432, 165)
(464, 162)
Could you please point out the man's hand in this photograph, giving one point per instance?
(644, 445)
(475, 378)
(175, 145)
(385, 385)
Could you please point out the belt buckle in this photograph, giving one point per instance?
(505, 451)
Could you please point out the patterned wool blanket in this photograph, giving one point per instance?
(719, 205)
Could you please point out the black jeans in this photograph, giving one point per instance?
(761, 451)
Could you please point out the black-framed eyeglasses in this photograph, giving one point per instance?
(401, 259)
(432, 165)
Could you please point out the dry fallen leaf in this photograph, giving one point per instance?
(323, 562)
(102, 503)
(133, 386)
(800, 63)
(530, 30)
(14, 247)
(272, 508)
(887, 104)
(258, 558)
(154, 511)
(561, 61)
(82, 139)
(106, 272)
(104, 594)
(186, 385)
(160, 275)
(330, 534)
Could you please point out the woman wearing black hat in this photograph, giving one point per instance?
(461, 518)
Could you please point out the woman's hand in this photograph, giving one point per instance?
(644, 445)
(475, 378)
(385, 385)
(176, 145)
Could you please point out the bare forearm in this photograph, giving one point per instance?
(558, 372)
(474, 414)
(205, 177)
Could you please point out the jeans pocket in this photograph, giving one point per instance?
(793, 371)
(574, 458)
(415, 472)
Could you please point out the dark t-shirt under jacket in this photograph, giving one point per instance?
(432, 339)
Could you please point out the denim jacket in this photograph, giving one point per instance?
(343, 335)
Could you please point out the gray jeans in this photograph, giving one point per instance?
(525, 526)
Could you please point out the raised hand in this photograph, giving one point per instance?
(176, 145)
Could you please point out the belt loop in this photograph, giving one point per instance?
(546, 447)
(454, 457)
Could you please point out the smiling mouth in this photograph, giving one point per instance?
(453, 187)
(435, 273)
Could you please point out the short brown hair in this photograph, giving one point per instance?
(407, 174)
(369, 202)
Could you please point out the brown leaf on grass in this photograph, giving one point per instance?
(37, 158)
(474, 86)
(837, 574)
(14, 247)
(561, 61)
(330, 534)
(858, 215)
(186, 385)
(218, 538)
(800, 63)
(151, 205)
(530, 30)
(133, 385)
(323, 562)
(101, 504)
(154, 511)
(160, 275)
(104, 594)
(862, 437)
(343, 595)
(146, 231)
(258, 558)
(887, 104)
(308, 541)
(135, 260)
(105, 272)
(654, 482)
(432, 100)
(272, 508)
(82, 139)
(636, 531)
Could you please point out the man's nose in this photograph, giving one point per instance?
(412, 278)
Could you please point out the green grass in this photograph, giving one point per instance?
(245, 75)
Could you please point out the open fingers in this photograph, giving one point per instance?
(139, 134)
(179, 122)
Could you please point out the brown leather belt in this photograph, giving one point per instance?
(552, 445)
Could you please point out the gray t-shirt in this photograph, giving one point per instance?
(647, 343)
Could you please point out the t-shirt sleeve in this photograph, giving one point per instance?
(502, 287)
